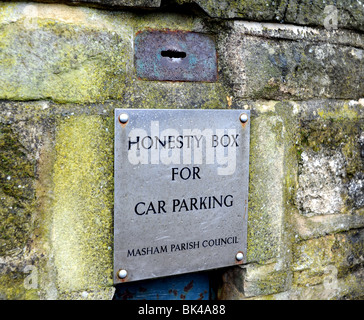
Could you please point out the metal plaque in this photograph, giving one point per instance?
(175, 56)
(181, 191)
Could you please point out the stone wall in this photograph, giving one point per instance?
(65, 67)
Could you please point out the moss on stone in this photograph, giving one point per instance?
(265, 192)
(16, 192)
(83, 203)
(86, 55)
(337, 130)
(274, 283)
(68, 59)
(333, 256)
(339, 113)
(12, 288)
(166, 94)
(273, 180)
(17, 208)
(265, 279)
(171, 21)
(249, 9)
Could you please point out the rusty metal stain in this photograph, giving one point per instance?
(122, 280)
(175, 56)
(191, 286)
(244, 124)
(123, 125)
(240, 262)
(127, 295)
(202, 295)
(188, 287)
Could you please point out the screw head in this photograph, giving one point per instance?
(122, 273)
(123, 118)
(239, 256)
(243, 117)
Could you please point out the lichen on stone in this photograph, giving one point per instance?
(68, 58)
(331, 161)
(83, 203)
(16, 192)
(340, 252)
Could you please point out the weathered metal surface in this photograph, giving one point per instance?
(193, 286)
(175, 56)
(181, 191)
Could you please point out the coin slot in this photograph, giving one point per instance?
(173, 54)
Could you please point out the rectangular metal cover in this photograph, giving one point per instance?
(175, 56)
(181, 191)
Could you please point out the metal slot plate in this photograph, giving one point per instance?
(175, 56)
(181, 191)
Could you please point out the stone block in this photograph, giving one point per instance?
(321, 183)
(349, 13)
(83, 203)
(262, 280)
(266, 174)
(271, 178)
(274, 68)
(348, 287)
(320, 225)
(335, 255)
(16, 192)
(110, 3)
(57, 241)
(67, 54)
(331, 166)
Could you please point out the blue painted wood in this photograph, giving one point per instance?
(191, 286)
